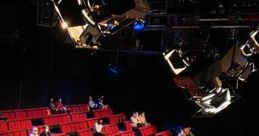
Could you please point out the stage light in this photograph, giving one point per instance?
(64, 25)
(177, 62)
(139, 25)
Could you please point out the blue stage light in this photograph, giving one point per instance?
(139, 25)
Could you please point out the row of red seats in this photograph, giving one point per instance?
(164, 133)
(15, 133)
(39, 112)
(117, 118)
(102, 113)
(74, 126)
(15, 125)
(26, 113)
(147, 130)
(78, 108)
(88, 132)
(110, 129)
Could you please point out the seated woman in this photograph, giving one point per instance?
(142, 119)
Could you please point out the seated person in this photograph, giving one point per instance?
(2, 117)
(142, 119)
(46, 131)
(92, 105)
(185, 132)
(60, 107)
(97, 128)
(34, 131)
(100, 103)
(52, 106)
(135, 122)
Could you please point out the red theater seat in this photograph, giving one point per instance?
(78, 117)
(14, 133)
(3, 127)
(110, 129)
(127, 133)
(127, 125)
(37, 112)
(164, 133)
(147, 130)
(118, 118)
(102, 113)
(56, 119)
(85, 132)
(19, 124)
(9, 114)
(20, 114)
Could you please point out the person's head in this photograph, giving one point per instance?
(142, 113)
(90, 98)
(99, 121)
(60, 100)
(51, 99)
(187, 130)
(46, 128)
(102, 97)
(34, 130)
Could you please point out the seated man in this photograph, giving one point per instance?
(97, 128)
(185, 132)
(52, 106)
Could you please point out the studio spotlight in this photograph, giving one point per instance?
(177, 61)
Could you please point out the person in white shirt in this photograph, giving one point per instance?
(91, 103)
(97, 128)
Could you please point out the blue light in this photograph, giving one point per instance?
(138, 26)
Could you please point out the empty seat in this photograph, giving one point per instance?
(78, 117)
(20, 114)
(127, 133)
(9, 114)
(88, 132)
(147, 130)
(110, 129)
(3, 127)
(37, 112)
(127, 125)
(19, 124)
(115, 119)
(56, 119)
(164, 133)
(15, 133)
(102, 113)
